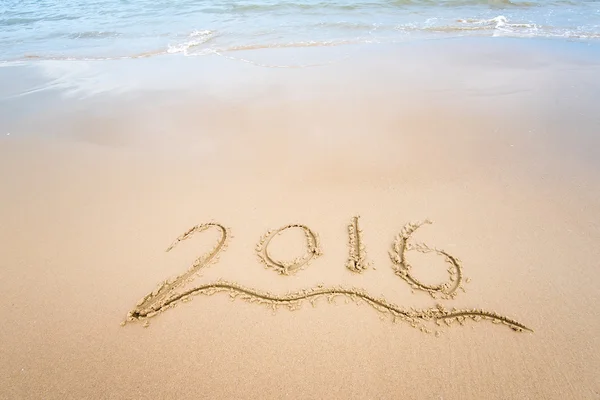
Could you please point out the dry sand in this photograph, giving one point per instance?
(497, 148)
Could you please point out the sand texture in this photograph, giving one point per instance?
(474, 171)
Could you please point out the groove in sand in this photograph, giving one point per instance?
(286, 267)
(357, 258)
(402, 268)
(165, 294)
(293, 300)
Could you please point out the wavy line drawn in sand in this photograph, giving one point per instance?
(402, 268)
(357, 261)
(286, 267)
(165, 295)
(420, 319)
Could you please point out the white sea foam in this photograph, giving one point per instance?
(196, 38)
(476, 27)
(499, 22)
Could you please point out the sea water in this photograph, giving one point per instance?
(123, 29)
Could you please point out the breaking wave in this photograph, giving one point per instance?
(196, 39)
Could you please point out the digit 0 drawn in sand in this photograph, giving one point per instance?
(293, 300)
(446, 290)
(286, 267)
(357, 258)
(165, 295)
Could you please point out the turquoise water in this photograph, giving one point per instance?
(113, 29)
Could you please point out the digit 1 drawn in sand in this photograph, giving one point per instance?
(165, 296)
(357, 258)
(447, 290)
(287, 267)
(416, 318)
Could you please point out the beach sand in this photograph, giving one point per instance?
(495, 141)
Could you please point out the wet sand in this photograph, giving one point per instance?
(495, 141)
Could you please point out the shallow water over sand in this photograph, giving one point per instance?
(115, 29)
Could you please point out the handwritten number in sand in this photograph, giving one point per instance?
(447, 290)
(166, 294)
(357, 258)
(286, 267)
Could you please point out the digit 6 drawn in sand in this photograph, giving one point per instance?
(165, 295)
(287, 267)
(402, 267)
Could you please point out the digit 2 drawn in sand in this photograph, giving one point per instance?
(447, 290)
(165, 295)
(287, 267)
